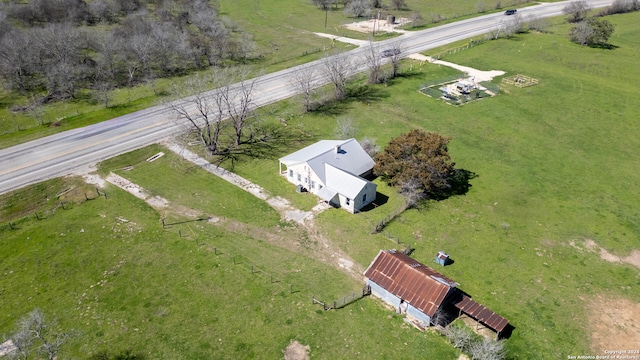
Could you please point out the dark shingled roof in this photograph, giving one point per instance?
(482, 314)
(411, 281)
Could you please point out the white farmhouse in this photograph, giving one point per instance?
(334, 170)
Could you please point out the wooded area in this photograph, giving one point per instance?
(53, 49)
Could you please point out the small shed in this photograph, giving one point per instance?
(442, 258)
(410, 287)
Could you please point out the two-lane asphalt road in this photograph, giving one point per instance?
(60, 154)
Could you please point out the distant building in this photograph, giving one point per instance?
(334, 170)
(423, 294)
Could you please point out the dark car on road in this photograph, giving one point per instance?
(389, 53)
(510, 12)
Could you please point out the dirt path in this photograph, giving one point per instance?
(306, 238)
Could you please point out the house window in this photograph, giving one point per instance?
(291, 173)
(299, 177)
(313, 184)
(306, 180)
(364, 197)
(348, 201)
(319, 186)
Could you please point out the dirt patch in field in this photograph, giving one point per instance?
(614, 324)
(591, 246)
(296, 351)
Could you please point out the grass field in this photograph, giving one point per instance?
(556, 164)
(282, 30)
(121, 284)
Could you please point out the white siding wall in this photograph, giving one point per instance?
(305, 174)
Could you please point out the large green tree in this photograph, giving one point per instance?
(418, 162)
(593, 32)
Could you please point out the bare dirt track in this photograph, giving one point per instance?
(296, 351)
(614, 324)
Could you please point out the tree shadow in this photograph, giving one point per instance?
(604, 46)
(269, 141)
(365, 94)
(123, 355)
(331, 107)
(458, 184)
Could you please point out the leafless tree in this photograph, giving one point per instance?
(581, 33)
(202, 112)
(496, 32)
(337, 69)
(239, 104)
(576, 11)
(486, 349)
(620, 7)
(59, 48)
(536, 23)
(35, 332)
(398, 4)
(358, 8)
(208, 113)
(416, 19)
(374, 63)
(305, 81)
(323, 5)
(345, 128)
(396, 51)
(513, 25)
(18, 60)
(34, 107)
(103, 10)
(459, 336)
(481, 7)
(412, 192)
(370, 147)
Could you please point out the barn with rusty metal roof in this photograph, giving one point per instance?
(420, 292)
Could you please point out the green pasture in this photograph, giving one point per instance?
(282, 30)
(121, 285)
(555, 166)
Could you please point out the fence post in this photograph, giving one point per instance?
(163, 225)
(271, 277)
(180, 233)
(234, 260)
(37, 217)
(215, 251)
(290, 288)
(252, 269)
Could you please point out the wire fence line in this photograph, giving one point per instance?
(58, 203)
(342, 301)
